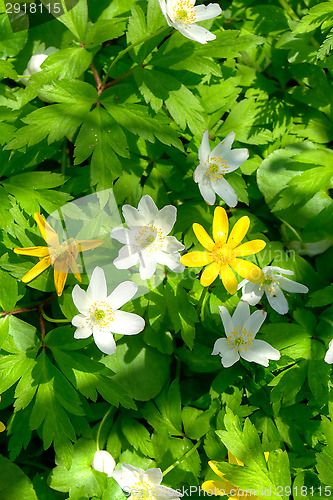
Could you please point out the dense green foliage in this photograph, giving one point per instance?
(88, 123)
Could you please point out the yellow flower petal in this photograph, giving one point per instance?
(34, 251)
(234, 460)
(37, 269)
(248, 270)
(212, 465)
(203, 237)
(220, 225)
(74, 268)
(218, 488)
(266, 453)
(228, 279)
(239, 231)
(2, 427)
(196, 259)
(59, 281)
(89, 244)
(47, 232)
(249, 248)
(210, 274)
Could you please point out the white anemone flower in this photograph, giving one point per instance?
(35, 62)
(214, 165)
(271, 285)
(329, 355)
(182, 15)
(240, 330)
(146, 241)
(99, 314)
(104, 462)
(142, 484)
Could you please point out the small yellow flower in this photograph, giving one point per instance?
(223, 253)
(225, 487)
(61, 256)
(2, 426)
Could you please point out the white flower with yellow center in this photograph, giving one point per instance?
(146, 241)
(240, 330)
(329, 355)
(271, 285)
(143, 485)
(99, 314)
(182, 15)
(214, 165)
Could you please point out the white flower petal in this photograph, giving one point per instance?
(122, 234)
(276, 269)
(126, 323)
(199, 173)
(195, 32)
(329, 355)
(291, 286)
(122, 294)
(83, 332)
(147, 265)
(204, 149)
(133, 217)
(80, 320)
(127, 257)
(165, 219)
(153, 476)
(80, 299)
(203, 12)
(97, 287)
(277, 300)
(260, 353)
(147, 209)
(255, 321)
(103, 462)
(235, 158)
(165, 493)
(104, 340)
(207, 192)
(252, 293)
(241, 314)
(171, 260)
(225, 191)
(223, 147)
(226, 320)
(128, 475)
(172, 245)
(229, 358)
(220, 346)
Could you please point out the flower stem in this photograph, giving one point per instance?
(130, 47)
(52, 320)
(293, 230)
(187, 454)
(30, 308)
(200, 301)
(101, 425)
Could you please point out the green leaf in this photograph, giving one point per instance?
(137, 435)
(7, 70)
(76, 19)
(322, 297)
(229, 44)
(9, 291)
(10, 43)
(14, 483)
(104, 30)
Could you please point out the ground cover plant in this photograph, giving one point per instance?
(166, 249)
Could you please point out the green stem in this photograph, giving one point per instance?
(293, 230)
(130, 47)
(64, 158)
(101, 425)
(200, 301)
(51, 320)
(284, 4)
(187, 454)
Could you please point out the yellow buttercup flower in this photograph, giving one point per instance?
(2, 426)
(225, 487)
(62, 256)
(223, 253)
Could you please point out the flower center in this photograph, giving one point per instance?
(222, 253)
(150, 238)
(269, 285)
(142, 491)
(100, 313)
(183, 12)
(216, 168)
(61, 255)
(240, 339)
